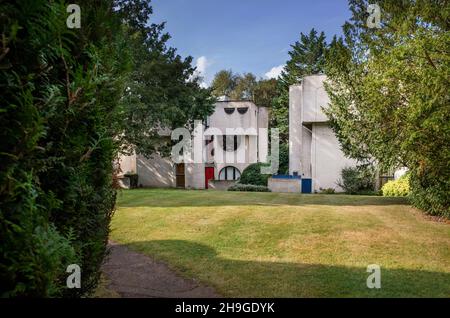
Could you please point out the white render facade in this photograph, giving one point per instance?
(314, 151)
(238, 130)
(231, 139)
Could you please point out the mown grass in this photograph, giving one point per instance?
(288, 245)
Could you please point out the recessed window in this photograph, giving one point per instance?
(229, 110)
(230, 142)
(208, 141)
(242, 110)
(229, 173)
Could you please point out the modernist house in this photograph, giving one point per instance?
(314, 151)
(232, 138)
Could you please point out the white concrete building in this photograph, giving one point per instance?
(314, 151)
(232, 138)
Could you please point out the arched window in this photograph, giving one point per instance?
(229, 173)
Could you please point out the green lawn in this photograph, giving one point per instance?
(288, 245)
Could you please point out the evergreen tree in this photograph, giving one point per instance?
(162, 91)
(307, 57)
(389, 94)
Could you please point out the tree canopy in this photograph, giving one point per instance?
(71, 98)
(389, 90)
(162, 90)
(306, 57)
(244, 87)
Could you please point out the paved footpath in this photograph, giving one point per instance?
(132, 274)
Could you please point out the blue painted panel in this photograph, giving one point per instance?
(306, 185)
(285, 176)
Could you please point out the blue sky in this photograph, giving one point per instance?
(245, 35)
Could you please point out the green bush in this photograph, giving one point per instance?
(396, 188)
(60, 93)
(357, 180)
(430, 193)
(327, 191)
(248, 188)
(252, 175)
(283, 167)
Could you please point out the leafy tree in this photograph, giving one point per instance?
(265, 92)
(245, 87)
(389, 94)
(224, 83)
(162, 91)
(307, 57)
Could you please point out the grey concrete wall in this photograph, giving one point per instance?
(222, 120)
(327, 158)
(127, 164)
(284, 185)
(220, 185)
(314, 97)
(295, 128)
(263, 142)
(305, 155)
(155, 172)
(195, 176)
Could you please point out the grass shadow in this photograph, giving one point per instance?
(243, 278)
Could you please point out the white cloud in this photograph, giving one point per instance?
(201, 64)
(274, 72)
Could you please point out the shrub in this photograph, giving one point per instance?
(252, 175)
(357, 180)
(60, 92)
(283, 167)
(327, 191)
(248, 188)
(396, 188)
(430, 193)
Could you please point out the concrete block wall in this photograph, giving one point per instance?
(314, 97)
(295, 128)
(284, 185)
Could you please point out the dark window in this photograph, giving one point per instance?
(208, 141)
(230, 142)
(242, 110)
(229, 110)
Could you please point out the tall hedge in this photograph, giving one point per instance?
(59, 102)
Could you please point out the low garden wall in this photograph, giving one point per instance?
(221, 185)
(284, 184)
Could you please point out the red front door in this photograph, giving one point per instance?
(209, 174)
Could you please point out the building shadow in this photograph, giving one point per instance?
(252, 278)
(207, 198)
